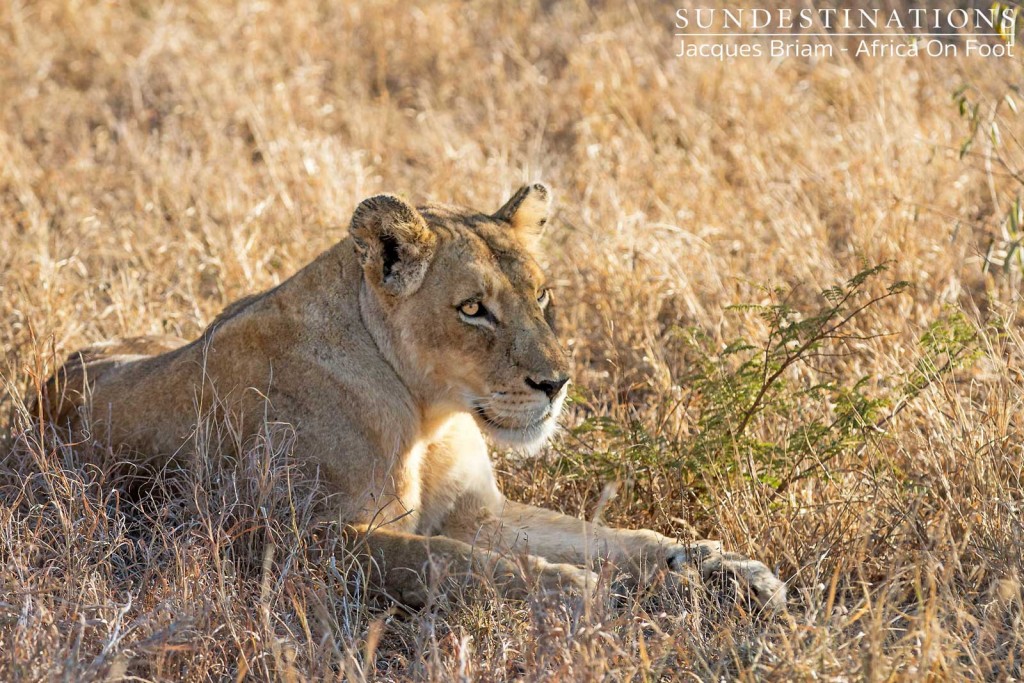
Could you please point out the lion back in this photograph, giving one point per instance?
(67, 388)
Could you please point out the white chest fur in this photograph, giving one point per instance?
(454, 465)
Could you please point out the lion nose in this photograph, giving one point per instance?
(550, 387)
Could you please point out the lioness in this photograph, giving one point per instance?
(392, 355)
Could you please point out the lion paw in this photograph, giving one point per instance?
(561, 578)
(716, 566)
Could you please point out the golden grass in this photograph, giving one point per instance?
(158, 160)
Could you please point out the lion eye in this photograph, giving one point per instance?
(545, 298)
(473, 309)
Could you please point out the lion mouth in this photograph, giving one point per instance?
(529, 437)
(480, 412)
(491, 421)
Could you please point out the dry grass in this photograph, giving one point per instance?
(158, 160)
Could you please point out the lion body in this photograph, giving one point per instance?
(299, 355)
(390, 356)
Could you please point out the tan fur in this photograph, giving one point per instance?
(391, 386)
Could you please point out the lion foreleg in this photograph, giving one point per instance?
(636, 553)
(409, 567)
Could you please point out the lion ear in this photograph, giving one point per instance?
(394, 243)
(527, 212)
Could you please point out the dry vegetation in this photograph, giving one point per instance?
(158, 160)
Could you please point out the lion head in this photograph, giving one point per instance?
(459, 305)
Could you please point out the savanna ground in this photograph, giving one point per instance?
(158, 160)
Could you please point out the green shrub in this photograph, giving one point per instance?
(737, 394)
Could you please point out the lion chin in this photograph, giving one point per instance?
(528, 439)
